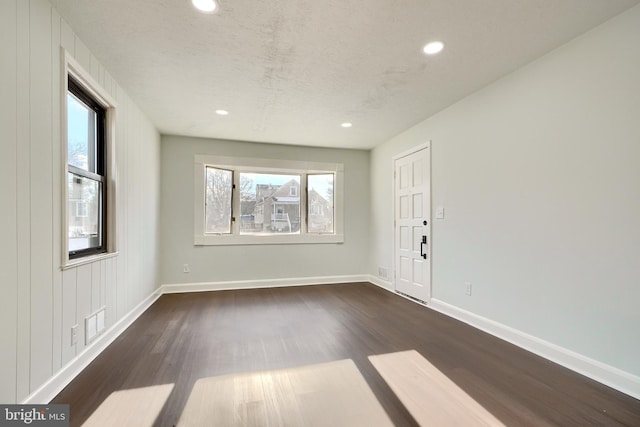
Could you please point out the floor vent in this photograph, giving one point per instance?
(412, 298)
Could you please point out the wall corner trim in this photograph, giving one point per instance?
(608, 375)
(384, 284)
(45, 393)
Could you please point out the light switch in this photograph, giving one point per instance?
(440, 212)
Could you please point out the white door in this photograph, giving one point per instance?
(412, 223)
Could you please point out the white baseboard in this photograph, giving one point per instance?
(63, 377)
(598, 371)
(265, 283)
(603, 373)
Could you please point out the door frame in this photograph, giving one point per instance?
(415, 149)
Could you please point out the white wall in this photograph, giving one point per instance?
(39, 301)
(210, 264)
(540, 179)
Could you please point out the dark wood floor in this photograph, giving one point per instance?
(184, 337)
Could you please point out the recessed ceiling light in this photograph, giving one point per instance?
(346, 125)
(433, 47)
(207, 6)
(222, 112)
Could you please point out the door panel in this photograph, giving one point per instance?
(405, 171)
(412, 209)
(417, 206)
(404, 207)
(417, 236)
(406, 269)
(418, 280)
(405, 238)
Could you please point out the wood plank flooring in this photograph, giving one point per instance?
(185, 337)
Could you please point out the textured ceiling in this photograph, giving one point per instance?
(291, 71)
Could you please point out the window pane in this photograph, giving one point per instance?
(81, 134)
(84, 213)
(219, 187)
(269, 203)
(320, 203)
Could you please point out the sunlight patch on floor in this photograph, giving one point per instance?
(327, 394)
(137, 407)
(429, 396)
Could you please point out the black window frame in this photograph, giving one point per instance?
(76, 89)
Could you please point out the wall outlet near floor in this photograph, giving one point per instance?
(467, 288)
(383, 273)
(186, 269)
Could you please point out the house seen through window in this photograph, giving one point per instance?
(268, 203)
(264, 201)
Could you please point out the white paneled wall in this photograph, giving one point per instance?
(39, 301)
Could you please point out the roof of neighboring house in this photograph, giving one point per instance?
(282, 195)
(283, 191)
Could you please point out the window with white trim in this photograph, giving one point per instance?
(86, 172)
(259, 201)
(88, 120)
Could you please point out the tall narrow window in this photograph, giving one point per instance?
(219, 194)
(320, 203)
(86, 173)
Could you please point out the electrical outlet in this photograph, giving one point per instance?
(74, 334)
(467, 288)
(185, 268)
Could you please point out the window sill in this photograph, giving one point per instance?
(73, 263)
(291, 239)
